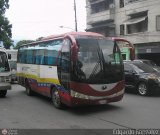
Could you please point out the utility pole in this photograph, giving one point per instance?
(75, 11)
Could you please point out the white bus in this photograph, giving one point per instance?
(13, 64)
(5, 73)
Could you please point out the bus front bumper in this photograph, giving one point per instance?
(72, 101)
(78, 102)
(5, 86)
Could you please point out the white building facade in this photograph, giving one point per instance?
(136, 20)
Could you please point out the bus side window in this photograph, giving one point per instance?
(40, 56)
(50, 57)
(22, 56)
(29, 57)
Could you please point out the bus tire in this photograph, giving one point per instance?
(56, 98)
(3, 93)
(29, 91)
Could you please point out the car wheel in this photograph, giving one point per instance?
(143, 89)
(3, 93)
(56, 98)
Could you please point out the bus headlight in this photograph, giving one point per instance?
(78, 95)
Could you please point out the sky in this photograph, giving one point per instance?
(32, 19)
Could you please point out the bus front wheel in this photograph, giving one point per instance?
(56, 98)
(3, 93)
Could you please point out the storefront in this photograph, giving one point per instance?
(149, 51)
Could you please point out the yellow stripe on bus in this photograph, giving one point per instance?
(41, 80)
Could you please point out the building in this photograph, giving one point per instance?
(136, 20)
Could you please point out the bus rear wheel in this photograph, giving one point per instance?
(56, 98)
(3, 93)
(29, 91)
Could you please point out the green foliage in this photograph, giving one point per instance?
(22, 42)
(3, 6)
(5, 26)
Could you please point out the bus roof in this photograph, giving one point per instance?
(64, 35)
(91, 34)
(73, 34)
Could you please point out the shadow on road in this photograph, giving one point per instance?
(85, 110)
(79, 110)
(134, 92)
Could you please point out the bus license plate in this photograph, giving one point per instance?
(102, 101)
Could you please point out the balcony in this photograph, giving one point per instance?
(136, 6)
(99, 17)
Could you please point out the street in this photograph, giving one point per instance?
(19, 111)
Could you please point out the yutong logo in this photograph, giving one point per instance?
(104, 87)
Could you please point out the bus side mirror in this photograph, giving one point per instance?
(9, 56)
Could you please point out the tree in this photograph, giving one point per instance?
(22, 42)
(5, 26)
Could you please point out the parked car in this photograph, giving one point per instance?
(141, 77)
(148, 62)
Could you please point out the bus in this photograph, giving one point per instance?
(73, 69)
(13, 64)
(5, 73)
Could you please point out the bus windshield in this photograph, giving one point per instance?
(98, 61)
(4, 66)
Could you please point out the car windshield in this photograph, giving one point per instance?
(142, 67)
(99, 61)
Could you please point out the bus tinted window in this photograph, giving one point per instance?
(45, 53)
(29, 59)
(99, 61)
(4, 66)
(22, 56)
(50, 57)
(40, 56)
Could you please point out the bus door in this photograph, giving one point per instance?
(64, 65)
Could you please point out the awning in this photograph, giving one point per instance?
(135, 20)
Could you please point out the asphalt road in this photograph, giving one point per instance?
(19, 111)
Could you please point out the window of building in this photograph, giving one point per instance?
(92, 1)
(122, 29)
(141, 26)
(121, 3)
(158, 23)
(132, 1)
(137, 23)
(99, 7)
